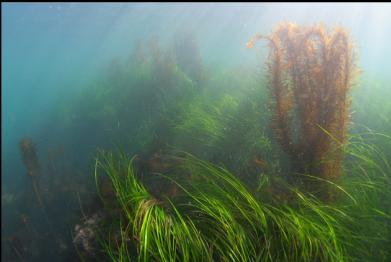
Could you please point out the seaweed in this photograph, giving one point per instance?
(311, 72)
(30, 160)
(218, 218)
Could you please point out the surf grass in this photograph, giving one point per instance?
(154, 232)
(216, 217)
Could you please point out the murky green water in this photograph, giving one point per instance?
(160, 81)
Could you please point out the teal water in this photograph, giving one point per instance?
(61, 62)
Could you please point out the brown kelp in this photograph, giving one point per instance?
(30, 160)
(311, 72)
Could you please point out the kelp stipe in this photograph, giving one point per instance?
(30, 160)
(311, 72)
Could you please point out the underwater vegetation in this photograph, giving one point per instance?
(30, 160)
(331, 203)
(311, 72)
(44, 210)
(190, 62)
(29, 156)
(197, 174)
(215, 217)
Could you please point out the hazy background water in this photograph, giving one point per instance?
(50, 50)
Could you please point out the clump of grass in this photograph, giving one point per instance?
(153, 231)
(217, 217)
(262, 230)
(204, 120)
(368, 179)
